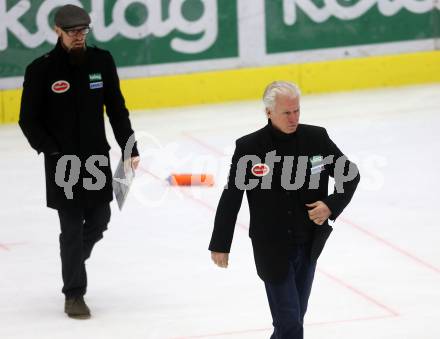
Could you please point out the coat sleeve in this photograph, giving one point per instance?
(227, 209)
(115, 107)
(31, 112)
(339, 168)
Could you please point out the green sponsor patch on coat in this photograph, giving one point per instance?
(95, 77)
(316, 159)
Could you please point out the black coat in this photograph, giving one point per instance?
(62, 113)
(270, 219)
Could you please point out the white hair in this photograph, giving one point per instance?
(279, 87)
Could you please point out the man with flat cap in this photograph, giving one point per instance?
(62, 116)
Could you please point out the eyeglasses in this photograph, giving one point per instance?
(77, 31)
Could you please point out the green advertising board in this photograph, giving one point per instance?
(142, 32)
(167, 34)
(298, 25)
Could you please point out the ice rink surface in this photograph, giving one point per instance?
(152, 276)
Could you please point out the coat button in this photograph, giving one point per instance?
(289, 212)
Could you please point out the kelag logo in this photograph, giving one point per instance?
(166, 32)
(295, 25)
(138, 32)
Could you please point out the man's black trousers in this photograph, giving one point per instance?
(288, 299)
(81, 229)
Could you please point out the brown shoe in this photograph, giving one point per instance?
(76, 308)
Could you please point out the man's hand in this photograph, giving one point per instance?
(319, 212)
(135, 162)
(220, 259)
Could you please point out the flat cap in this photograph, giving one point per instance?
(70, 16)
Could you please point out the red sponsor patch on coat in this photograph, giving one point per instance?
(60, 86)
(260, 170)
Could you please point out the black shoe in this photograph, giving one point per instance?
(76, 308)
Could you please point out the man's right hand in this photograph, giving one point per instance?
(220, 259)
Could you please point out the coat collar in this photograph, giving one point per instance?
(266, 143)
(60, 52)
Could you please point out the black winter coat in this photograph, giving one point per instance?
(270, 216)
(62, 113)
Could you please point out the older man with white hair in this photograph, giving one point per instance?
(284, 169)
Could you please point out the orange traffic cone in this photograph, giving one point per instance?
(190, 179)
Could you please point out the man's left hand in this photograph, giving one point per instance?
(319, 212)
(135, 162)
